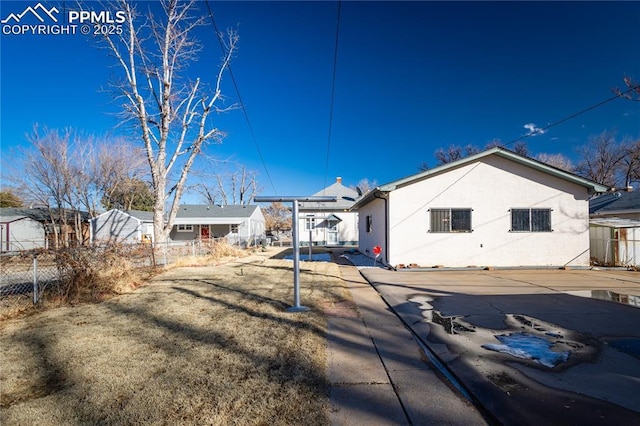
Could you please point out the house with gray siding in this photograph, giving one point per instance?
(34, 228)
(239, 224)
(20, 232)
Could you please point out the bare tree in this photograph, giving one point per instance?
(633, 89)
(68, 174)
(558, 161)
(454, 153)
(46, 179)
(631, 163)
(118, 168)
(364, 185)
(170, 112)
(277, 217)
(601, 159)
(238, 187)
(521, 149)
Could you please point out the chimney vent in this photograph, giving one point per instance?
(339, 179)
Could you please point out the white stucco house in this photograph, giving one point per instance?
(495, 208)
(329, 224)
(117, 226)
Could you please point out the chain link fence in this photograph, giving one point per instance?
(29, 276)
(24, 273)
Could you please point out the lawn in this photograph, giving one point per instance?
(196, 345)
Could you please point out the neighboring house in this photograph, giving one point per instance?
(117, 226)
(621, 204)
(239, 224)
(31, 228)
(329, 224)
(495, 208)
(20, 232)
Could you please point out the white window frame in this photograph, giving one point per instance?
(234, 228)
(184, 227)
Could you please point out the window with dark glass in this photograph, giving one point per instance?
(451, 220)
(310, 223)
(369, 223)
(531, 220)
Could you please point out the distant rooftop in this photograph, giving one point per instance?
(615, 202)
(345, 198)
(39, 214)
(187, 211)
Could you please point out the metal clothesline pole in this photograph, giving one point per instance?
(297, 307)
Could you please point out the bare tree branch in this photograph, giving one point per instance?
(172, 113)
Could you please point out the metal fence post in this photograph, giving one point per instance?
(35, 279)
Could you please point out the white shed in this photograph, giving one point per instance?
(615, 241)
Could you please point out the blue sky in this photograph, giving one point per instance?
(411, 77)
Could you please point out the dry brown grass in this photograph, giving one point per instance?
(198, 345)
(93, 275)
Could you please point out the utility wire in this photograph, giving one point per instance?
(529, 135)
(244, 109)
(555, 123)
(333, 91)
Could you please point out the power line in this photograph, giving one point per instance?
(333, 91)
(544, 129)
(244, 109)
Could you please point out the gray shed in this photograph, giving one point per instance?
(614, 241)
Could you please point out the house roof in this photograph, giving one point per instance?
(615, 222)
(498, 151)
(39, 214)
(140, 215)
(194, 211)
(345, 198)
(615, 202)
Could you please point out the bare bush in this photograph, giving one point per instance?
(97, 274)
